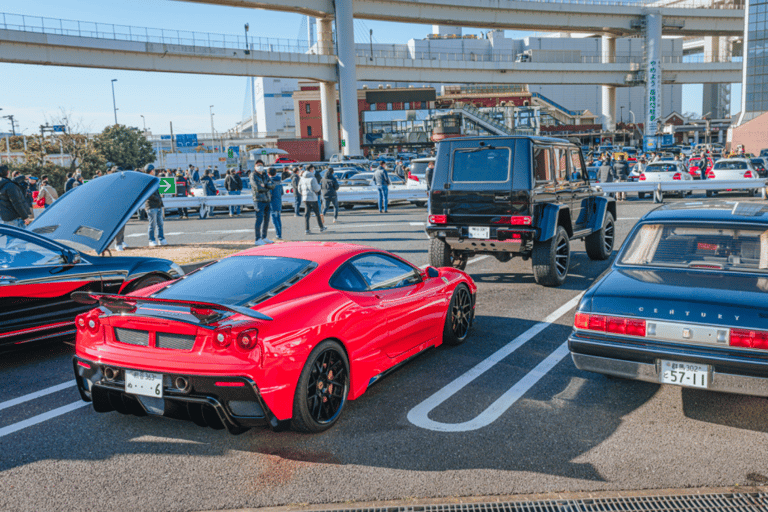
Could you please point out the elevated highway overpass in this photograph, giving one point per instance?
(101, 52)
(687, 18)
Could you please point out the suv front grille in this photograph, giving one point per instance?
(132, 336)
(175, 341)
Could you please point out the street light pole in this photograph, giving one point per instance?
(622, 114)
(114, 104)
(145, 123)
(210, 109)
(370, 39)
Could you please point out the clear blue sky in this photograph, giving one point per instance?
(36, 94)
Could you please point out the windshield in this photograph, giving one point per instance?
(235, 281)
(733, 166)
(661, 168)
(685, 246)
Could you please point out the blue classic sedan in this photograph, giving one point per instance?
(685, 302)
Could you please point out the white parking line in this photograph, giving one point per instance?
(40, 418)
(36, 394)
(419, 415)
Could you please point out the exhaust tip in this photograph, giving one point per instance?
(110, 373)
(182, 384)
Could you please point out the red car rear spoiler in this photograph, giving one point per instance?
(123, 303)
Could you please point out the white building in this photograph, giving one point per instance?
(274, 107)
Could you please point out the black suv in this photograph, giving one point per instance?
(508, 196)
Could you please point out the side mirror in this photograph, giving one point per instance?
(72, 257)
(432, 272)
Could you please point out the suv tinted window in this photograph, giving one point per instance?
(577, 172)
(481, 165)
(561, 164)
(542, 164)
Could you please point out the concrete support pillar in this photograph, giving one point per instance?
(608, 48)
(716, 98)
(653, 102)
(345, 50)
(328, 93)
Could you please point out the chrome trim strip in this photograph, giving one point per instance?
(721, 382)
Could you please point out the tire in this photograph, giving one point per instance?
(145, 281)
(599, 244)
(551, 259)
(709, 193)
(441, 255)
(319, 406)
(348, 206)
(458, 319)
(641, 195)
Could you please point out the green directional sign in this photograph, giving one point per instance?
(168, 186)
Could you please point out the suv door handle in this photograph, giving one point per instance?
(501, 199)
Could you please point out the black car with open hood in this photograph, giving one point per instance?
(41, 266)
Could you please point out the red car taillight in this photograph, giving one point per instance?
(748, 174)
(748, 338)
(248, 339)
(710, 175)
(610, 324)
(515, 220)
(677, 176)
(642, 177)
(438, 219)
(222, 338)
(88, 322)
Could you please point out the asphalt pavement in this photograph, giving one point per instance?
(504, 413)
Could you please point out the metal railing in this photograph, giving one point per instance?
(669, 4)
(553, 57)
(475, 115)
(75, 28)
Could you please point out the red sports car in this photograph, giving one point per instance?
(279, 332)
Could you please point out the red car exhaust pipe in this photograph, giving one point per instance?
(110, 373)
(182, 384)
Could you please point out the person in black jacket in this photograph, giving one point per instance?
(295, 178)
(70, 182)
(234, 185)
(154, 207)
(328, 187)
(261, 188)
(13, 205)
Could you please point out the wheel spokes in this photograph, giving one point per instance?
(327, 386)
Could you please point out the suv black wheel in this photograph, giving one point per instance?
(441, 255)
(459, 317)
(552, 258)
(322, 389)
(599, 244)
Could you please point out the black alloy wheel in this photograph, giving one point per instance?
(551, 259)
(599, 245)
(458, 320)
(322, 390)
(146, 281)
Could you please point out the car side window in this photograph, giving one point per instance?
(577, 166)
(348, 279)
(561, 165)
(381, 272)
(16, 252)
(542, 164)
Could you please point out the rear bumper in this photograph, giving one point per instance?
(730, 372)
(236, 407)
(500, 239)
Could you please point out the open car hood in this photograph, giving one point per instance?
(93, 213)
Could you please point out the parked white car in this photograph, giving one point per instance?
(732, 169)
(664, 170)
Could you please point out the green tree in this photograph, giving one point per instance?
(124, 146)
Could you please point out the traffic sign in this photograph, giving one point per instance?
(168, 186)
(186, 140)
(343, 143)
(59, 128)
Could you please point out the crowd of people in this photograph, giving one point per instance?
(315, 192)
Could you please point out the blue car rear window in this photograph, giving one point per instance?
(708, 248)
(235, 281)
